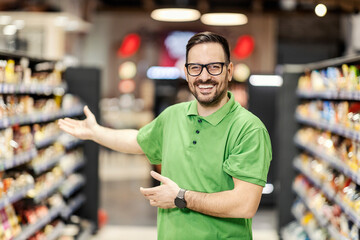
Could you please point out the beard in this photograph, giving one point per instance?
(214, 98)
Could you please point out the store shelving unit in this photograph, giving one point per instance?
(72, 192)
(327, 159)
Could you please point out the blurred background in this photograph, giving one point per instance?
(124, 59)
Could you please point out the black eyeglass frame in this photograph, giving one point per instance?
(205, 66)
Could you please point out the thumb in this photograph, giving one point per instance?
(158, 177)
(88, 113)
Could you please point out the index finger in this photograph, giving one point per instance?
(149, 191)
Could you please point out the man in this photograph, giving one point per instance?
(215, 155)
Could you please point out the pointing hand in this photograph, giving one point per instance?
(83, 129)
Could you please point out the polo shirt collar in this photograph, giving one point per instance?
(217, 116)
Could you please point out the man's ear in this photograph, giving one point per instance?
(230, 71)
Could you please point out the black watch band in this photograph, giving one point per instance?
(180, 199)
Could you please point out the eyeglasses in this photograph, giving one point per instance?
(195, 69)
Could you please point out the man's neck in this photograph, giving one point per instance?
(205, 111)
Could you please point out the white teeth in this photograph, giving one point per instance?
(205, 86)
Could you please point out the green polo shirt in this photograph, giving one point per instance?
(203, 154)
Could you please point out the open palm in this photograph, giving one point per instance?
(83, 129)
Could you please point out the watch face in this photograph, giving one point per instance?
(180, 203)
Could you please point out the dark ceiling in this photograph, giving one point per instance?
(339, 6)
(267, 6)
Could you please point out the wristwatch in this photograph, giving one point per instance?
(180, 199)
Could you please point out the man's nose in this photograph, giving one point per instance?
(205, 74)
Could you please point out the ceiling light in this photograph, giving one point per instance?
(175, 14)
(320, 10)
(266, 80)
(9, 30)
(224, 19)
(157, 72)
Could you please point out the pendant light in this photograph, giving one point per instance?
(224, 19)
(175, 14)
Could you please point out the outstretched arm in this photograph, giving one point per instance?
(240, 202)
(124, 140)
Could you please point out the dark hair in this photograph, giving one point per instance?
(208, 37)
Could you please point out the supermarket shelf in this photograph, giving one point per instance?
(298, 219)
(40, 168)
(17, 160)
(57, 231)
(331, 62)
(40, 117)
(333, 161)
(33, 88)
(330, 194)
(320, 219)
(21, 54)
(335, 128)
(78, 164)
(330, 95)
(47, 141)
(33, 228)
(47, 192)
(69, 142)
(21, 193)
(334, 233)
(73, 205)
(69, 188)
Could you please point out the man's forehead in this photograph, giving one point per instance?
(208, 49)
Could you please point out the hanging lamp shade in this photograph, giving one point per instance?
(175, 14)
(224, 19)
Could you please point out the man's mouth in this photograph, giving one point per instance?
(206, 88)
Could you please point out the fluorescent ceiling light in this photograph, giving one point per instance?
(266, 80)
(175, 14)
(157, 72)
(224, 19)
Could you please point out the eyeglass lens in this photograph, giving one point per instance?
(212, 68)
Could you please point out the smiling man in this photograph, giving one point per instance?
(215, 155)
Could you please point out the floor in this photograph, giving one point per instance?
(130, 217)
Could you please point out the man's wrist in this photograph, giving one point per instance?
(94, 133)
(180, 201)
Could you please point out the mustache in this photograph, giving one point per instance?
(209, 81)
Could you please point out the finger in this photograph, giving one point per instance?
(87, 112)
(66, 123)
(70, 120)
(67, 129)
(149, 191)
(151, 197)
(158, 177)
(153, 203)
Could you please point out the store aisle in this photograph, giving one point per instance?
(130, 216)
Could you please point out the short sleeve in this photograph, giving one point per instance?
(150, 139)
(250, 159)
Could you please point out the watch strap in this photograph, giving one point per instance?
(181, 194)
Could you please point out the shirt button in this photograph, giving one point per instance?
(199, 120)
(194, 142)
(197, 131)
